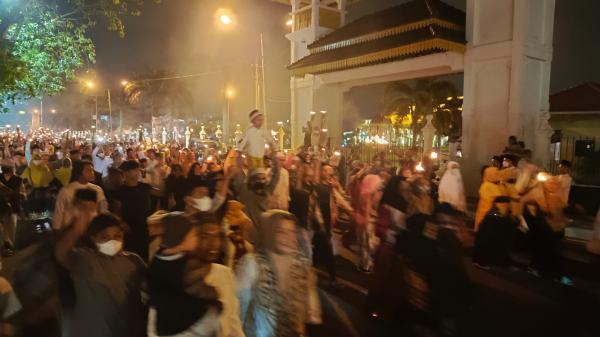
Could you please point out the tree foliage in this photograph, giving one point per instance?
(426, 97)
(157, 93)
(43, 43)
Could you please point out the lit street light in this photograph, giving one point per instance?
(124, 83)
(89, 84)
(289, 22)
(225, 19)
(53, 111)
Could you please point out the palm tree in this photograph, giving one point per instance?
(427, 96)
(155, 92)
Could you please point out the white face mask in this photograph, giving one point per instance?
(202, 204)
(505, 164)
(110, 248)
(101, 155)
(59, 155)
(37, 162)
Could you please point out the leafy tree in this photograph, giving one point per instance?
(426, 97)
(43, 43)
(157, 93)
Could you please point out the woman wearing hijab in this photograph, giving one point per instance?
(276, 285)
(489, 190)
(452, 189)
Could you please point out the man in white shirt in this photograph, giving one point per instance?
(101, 161)
(81, 177)
(256, 140)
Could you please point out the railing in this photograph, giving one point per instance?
(330, 18)
(585, 159)
(302, 19)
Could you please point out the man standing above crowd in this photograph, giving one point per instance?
(82, 176)
(256, 140)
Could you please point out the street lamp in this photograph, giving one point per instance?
(53, 111)
(124, 83)
(90, 84)
(225, 19)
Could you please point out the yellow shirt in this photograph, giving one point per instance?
(38, 176)
(63, 174)
(487, 193)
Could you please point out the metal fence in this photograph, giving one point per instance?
(583, 152)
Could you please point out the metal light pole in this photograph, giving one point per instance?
(42, 112)
(264, 88)
(109, 112)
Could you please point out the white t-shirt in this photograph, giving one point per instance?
(101, 165)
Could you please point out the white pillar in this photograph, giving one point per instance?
(506, 80)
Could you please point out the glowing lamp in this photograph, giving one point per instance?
(433, 155)
(225, 19)
(419, 167)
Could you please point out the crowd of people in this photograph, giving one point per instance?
(158, 240)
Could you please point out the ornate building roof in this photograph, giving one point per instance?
(417, 28)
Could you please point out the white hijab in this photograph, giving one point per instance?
(451, 189)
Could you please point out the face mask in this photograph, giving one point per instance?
(36, 162)
(203, 204)
(110, 248)
(505, 164)
(59, 155)
(100, 155)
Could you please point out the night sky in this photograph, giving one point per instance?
(180, 36)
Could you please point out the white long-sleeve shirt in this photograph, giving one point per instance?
(254, 142)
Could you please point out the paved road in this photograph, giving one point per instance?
(508, 302)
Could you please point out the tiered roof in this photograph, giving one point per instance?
(417, 28)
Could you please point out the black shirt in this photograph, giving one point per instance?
(177, 186)
(176, 310)
(135, 208)
(14, 183)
